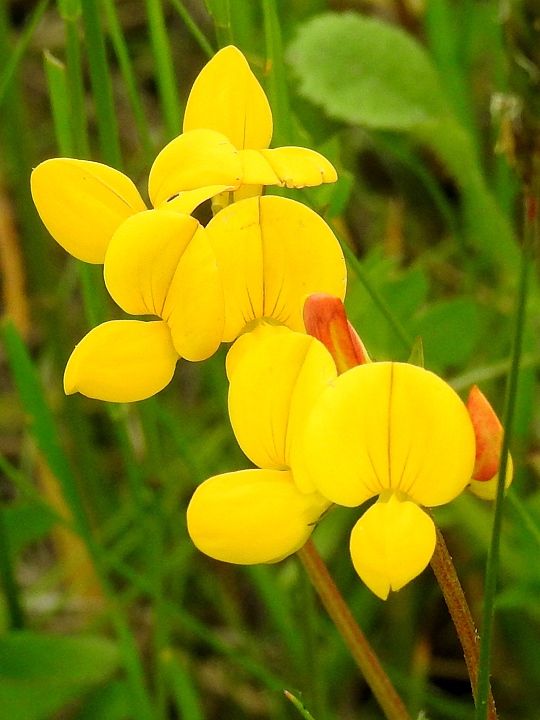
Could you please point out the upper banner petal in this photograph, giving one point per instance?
(122, 361)
(252, 516)
(391, 544)
(389, 425)
(142, 259)
(82, 203)
(262, 247)
(227, 97)
(191, 161)
(298, 167)
(272, 391)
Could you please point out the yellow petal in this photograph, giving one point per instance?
(142, 259)
(194, 308)
(256, 169)
(191, 161)
(227, 97)
(252, 516)
(247, 341)
(82, 203)
(272, 391)
(298, 167)
(186, 202)
(391, 544)
(122, 361)
(272, 252)
(389, 425)
(487, 489)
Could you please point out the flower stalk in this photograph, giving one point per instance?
(362, 652)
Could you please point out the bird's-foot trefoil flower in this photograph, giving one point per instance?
(261, 515)
(396, 431)
(246, 269)
(227, 133)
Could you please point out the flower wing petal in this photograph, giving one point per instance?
(82, 203)
(252, 516)
(227, 97)
(194, 306)
(186, 202)
(142, 259)
(272, 390)
(391, 544)
(298, 167)
(122, 361)
(191, 161)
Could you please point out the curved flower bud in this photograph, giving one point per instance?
(227, 97)
(252, 516)
(82, 204)
(261, 245)
(391, 544)
(272, 391)
(122, 361)
(389, 426)
(487, 489)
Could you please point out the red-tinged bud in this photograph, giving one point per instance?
(325, 319)
(489, 435)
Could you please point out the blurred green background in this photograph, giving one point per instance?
(430, 112)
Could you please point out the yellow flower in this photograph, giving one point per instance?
(207, 285)
(400, 432)
(261, 515)
(227, 131)
(158, 263)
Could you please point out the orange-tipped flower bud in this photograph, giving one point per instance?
(489, 435)
(325, 319)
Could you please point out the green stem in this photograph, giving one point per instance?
(531, 234)
(446, 575)
(357, 643)
(194, 29)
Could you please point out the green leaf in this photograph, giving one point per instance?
(367, 72)
(27, 523)
(417, 353)
(109, 702)
(41, 673)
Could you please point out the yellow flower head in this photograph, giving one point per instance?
(227, 131)
(261, 515)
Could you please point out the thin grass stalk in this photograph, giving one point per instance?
(278, 93)
(448, 580)
(220, 10)
(8, 581)
(109, 139)
(360, 649)
(12, 65)
(531, 237)
(130, 81)
(197, 34)
(57, 85)
(166, 81)
(71, 13)
(298, 705)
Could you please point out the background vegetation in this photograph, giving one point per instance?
(107, 609)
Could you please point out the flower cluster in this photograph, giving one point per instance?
(322, 423)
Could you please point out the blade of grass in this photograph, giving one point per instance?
(109, 140)
(194, 29)
(531, 237)
(130, 80)
(278, 93)
(57, 84)
(220, 11)
(187, 699)
(12, 65)
(166, 81)
(8, 581)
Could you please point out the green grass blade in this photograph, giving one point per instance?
(130, 81)
(278, 93)
(197, 34)
(488, 610)
(186, 697)
(101, 84)
(8, 581)
(220, 10)
(166, 80)
(11, 66)
(57, 84)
